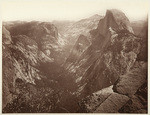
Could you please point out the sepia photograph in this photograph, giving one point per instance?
(74, 56)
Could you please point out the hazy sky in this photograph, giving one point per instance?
(48, 10)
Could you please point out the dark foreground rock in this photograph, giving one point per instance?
(105, 72)
(129, 83)
(112, 104)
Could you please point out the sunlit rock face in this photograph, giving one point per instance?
(117, 63)
(102, 70)
(25, 47)
(43, 33)
(109, 55)
(116, 20)
(71, 30)
(80, 46)
(6, 36)
(35, 76)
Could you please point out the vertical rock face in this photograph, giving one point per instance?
(112, 53)
(44, 34)
(71, 30)
(80, 46)
(130, 82)
(6, 36)
(114, 19)
(25, 47)
(8, 69)
(117, 63)
(105, 72)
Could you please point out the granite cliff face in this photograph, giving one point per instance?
(98, 64)
(80, 46)
(22, 54)
(116, 20)
(103, 71)
(28, 49)
(112, 56)
(70, 31)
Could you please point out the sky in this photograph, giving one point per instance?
(48, 10)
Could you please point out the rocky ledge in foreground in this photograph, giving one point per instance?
(127, 95)
(121, 60)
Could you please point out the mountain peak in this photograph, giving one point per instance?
(115, 19)
(120, 19)
(114, 11)
(96, 16)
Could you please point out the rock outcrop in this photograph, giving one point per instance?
(71, 30)
(129, 83)
(112, 103)
(128, 94)
(104, 72)
(25, 47)
(116, 20)
(118, 64)
(6, 36)
(110, 54)
(91, 102)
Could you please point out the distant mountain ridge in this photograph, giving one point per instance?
(94, 65)
(72, 30)
(107, 58)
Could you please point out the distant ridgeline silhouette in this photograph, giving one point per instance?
(94, 65)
